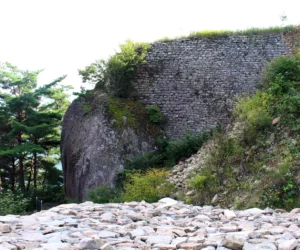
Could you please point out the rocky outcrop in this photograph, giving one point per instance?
(167, 224)
(93, 150)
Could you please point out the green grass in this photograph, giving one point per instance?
(225, 33)
(164, 39)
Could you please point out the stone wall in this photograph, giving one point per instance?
(194, 81)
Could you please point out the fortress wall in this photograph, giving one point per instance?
(194, 81)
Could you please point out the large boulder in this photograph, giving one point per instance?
(93, 148)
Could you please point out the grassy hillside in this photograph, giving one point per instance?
(256, 162)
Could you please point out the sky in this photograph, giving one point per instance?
(62, 36)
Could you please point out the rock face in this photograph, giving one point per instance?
(92, 149)
(167, 224)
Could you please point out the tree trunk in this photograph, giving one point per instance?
(29, 179)
(21, 175)
(12, 177)
(34, 172)
(21, 166)
(44, 180)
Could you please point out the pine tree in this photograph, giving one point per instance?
(30, 117)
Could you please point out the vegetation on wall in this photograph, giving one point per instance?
(293, 41)
(131, 113)
(154, 114)
(257, 163)
(224, 33)
(124, 112)
(116, 74)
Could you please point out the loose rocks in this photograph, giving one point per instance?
(167, 224)
(5, 228)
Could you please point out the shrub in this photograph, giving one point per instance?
(283, 185)
(280, 97)
(199, 182)
(151, 159)
(283, 66)
(120, 68)
(94, 74)
(11, 203)
(154, 114)
(169, 152)
(254, 110)
(282, 84)
(225, 153)
(116, 74)
(206, 185)
(281, 195)
(184, 147)
(149, 187)
(103, 194)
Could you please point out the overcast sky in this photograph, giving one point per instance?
(62, 36)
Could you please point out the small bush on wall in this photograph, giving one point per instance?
(116, 74)
(154, 114)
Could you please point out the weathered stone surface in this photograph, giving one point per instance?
(5, 228)
(168, 201)
(229, 214)
(295, 211)
(161, 239)
(91, 243)
(171, 228)
(234, 243)
(7, 246)
(107, 234)
(192, 246)
(92, 149)
(54, 246)
(137, 232)
(106, 246)
(287, 244)
(275, 121)
(260, 246)
(215, 199)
